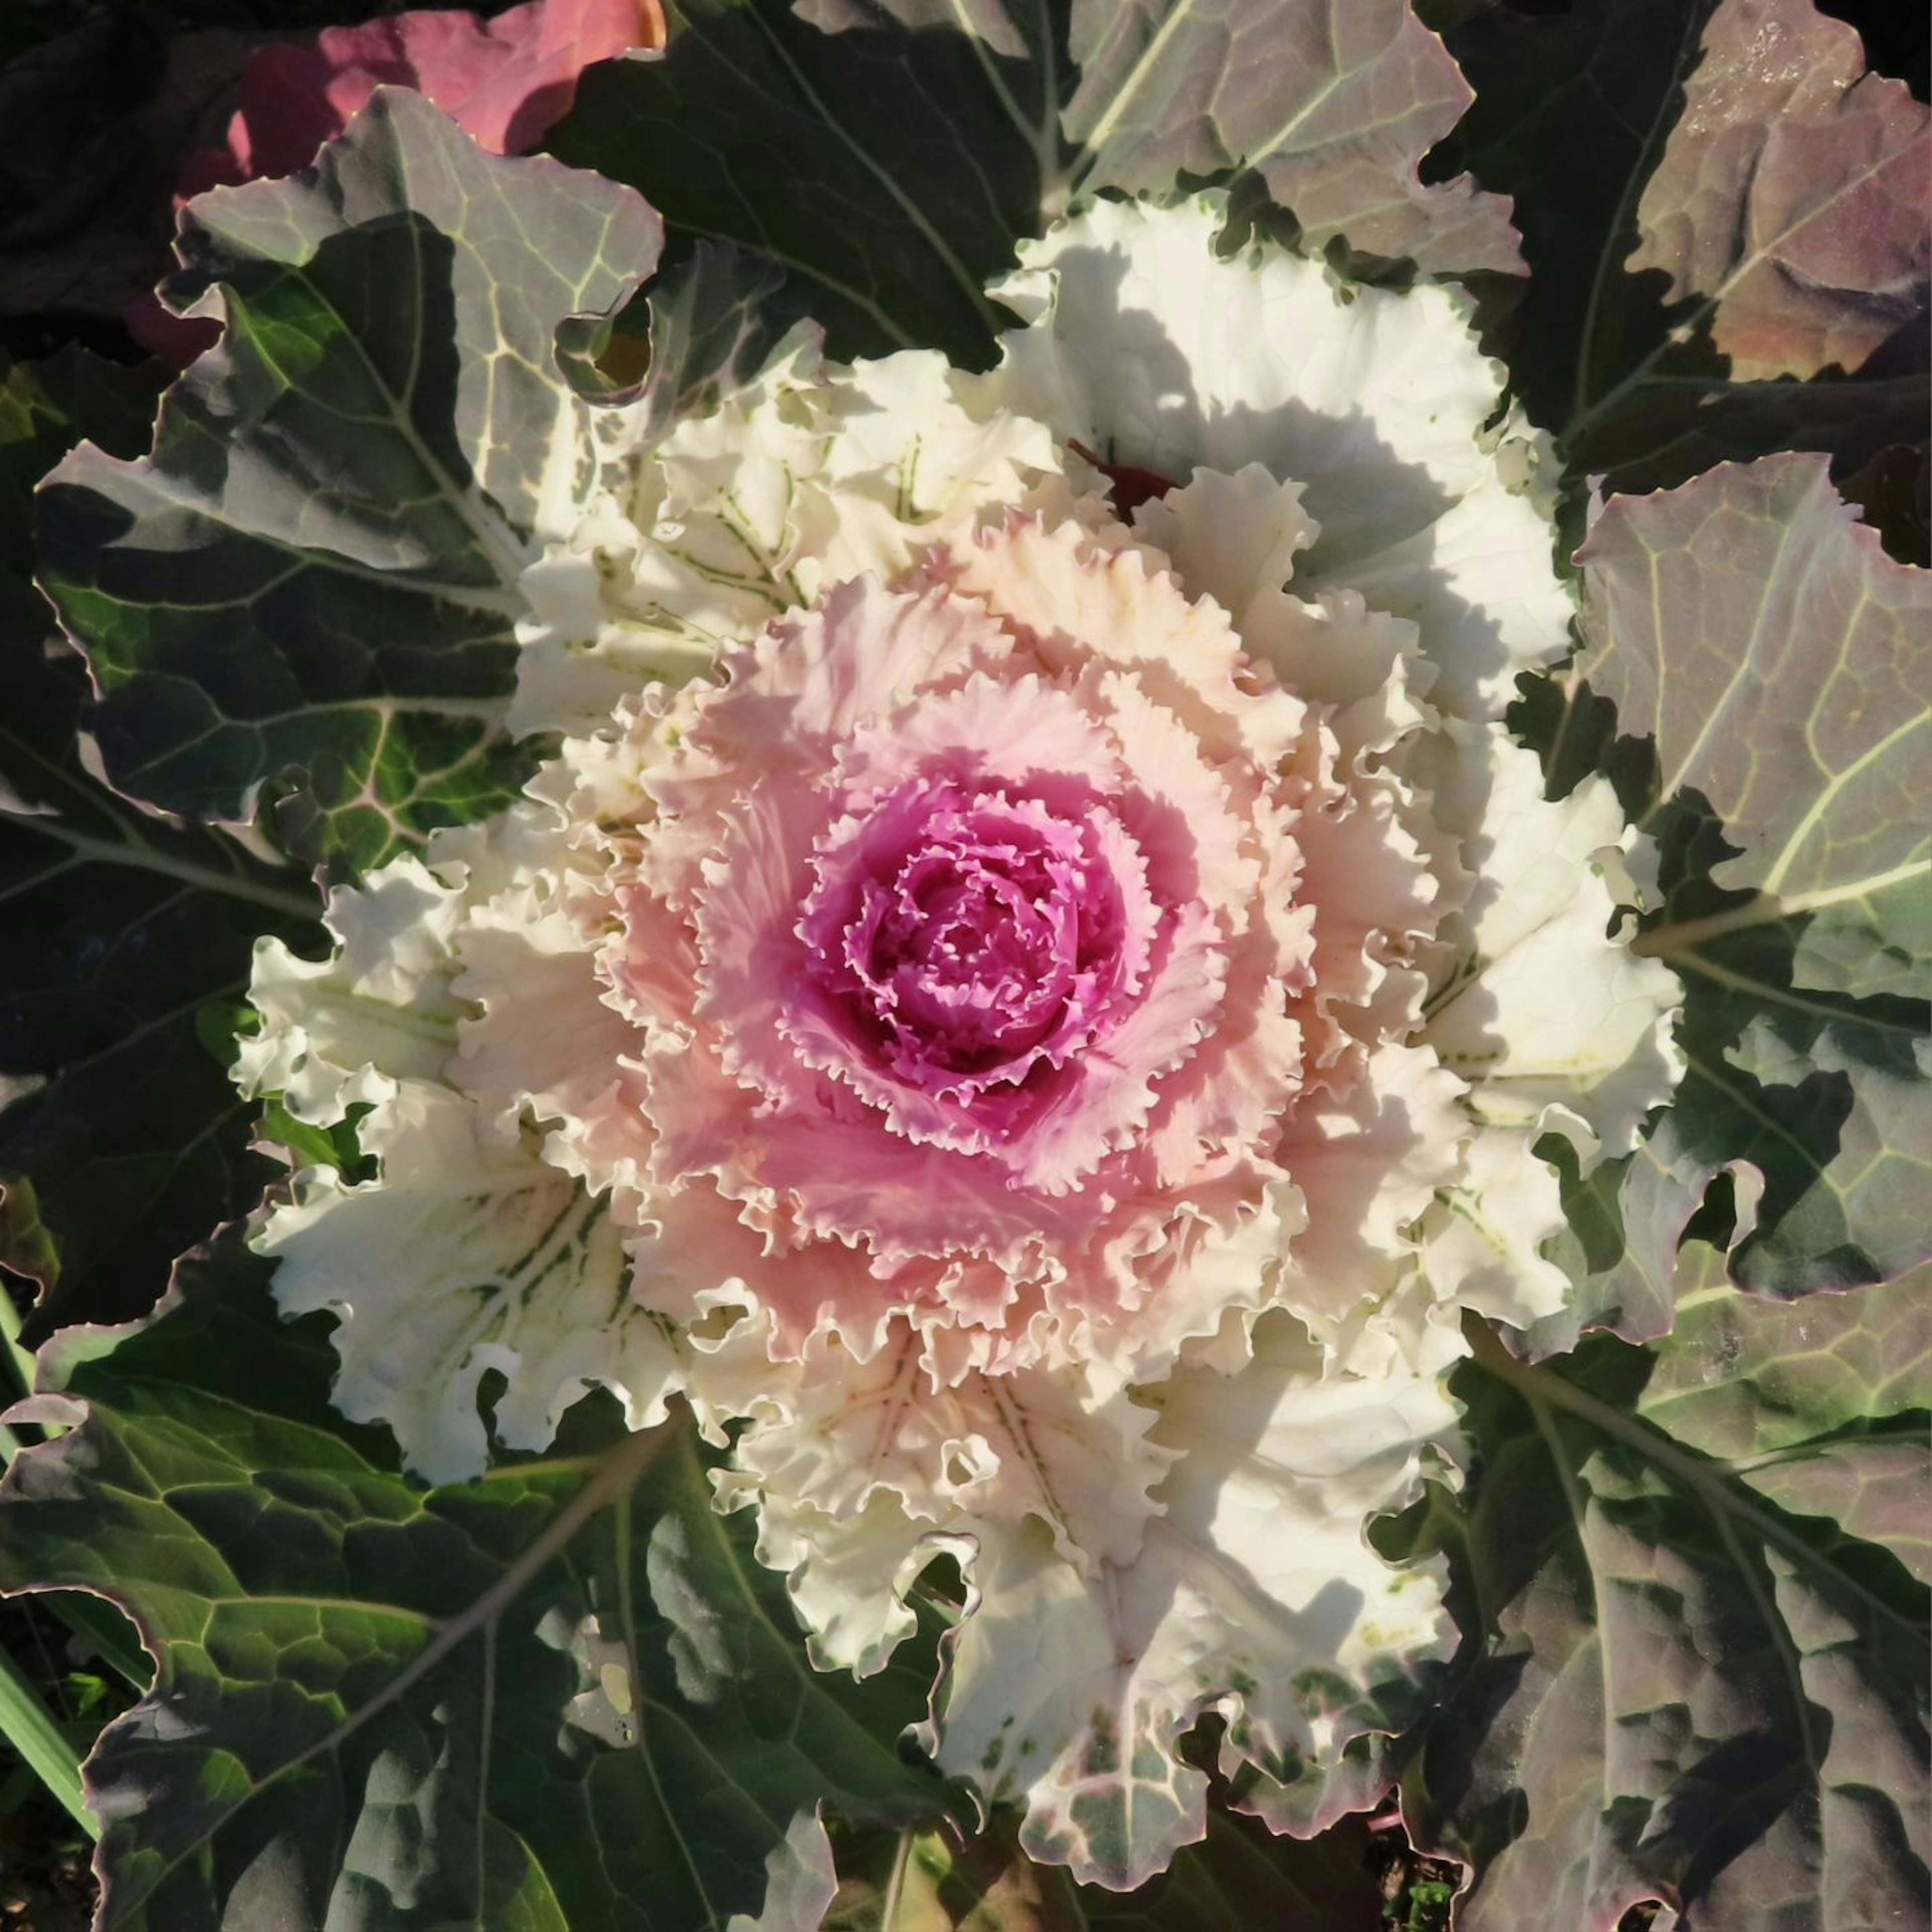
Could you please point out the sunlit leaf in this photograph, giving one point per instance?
(1792, 202)
(1575, 109)
(1769, 648)
(1333, 103)
(1757, 652)
(1688, 1681)
(890, 154)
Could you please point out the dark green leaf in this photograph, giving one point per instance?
(313, 576)
(565, 1695)
(707, 325)
(1571, 108)
(1687, 1679)
(1825, 1098)
(879, 166)
(124, 1142)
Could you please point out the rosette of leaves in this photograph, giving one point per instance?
(1689, 1558)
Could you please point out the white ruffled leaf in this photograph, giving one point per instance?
(862, 1473)
(464, 1256)
(811, 474)
(1544, 1008)
(1145, 346)
(343, 1030)
(1254, 1593)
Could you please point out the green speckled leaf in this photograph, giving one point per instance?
(313, 576)
(564, 1696)
(1686, 1680)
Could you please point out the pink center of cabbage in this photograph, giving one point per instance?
(965, 942)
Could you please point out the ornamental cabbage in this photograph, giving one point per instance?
(1032, 994)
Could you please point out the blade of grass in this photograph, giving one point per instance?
(27, 1725)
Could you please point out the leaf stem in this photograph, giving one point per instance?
(889, 1911)
(1581, 410)
(1767, 909)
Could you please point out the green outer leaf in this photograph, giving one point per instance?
(878, 167)
(1333, 103)
(1740, 1377)
(1792, 197)
(45, 408)
(129, 1140)
(1758, 651)
(890, 155)
(1817, 1103)
(360, 1711)
(707, 326)
(126, 1143)
(1571, 108)
(1676, 1686)
(315, 573)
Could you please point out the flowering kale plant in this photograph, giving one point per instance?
(1007, 950)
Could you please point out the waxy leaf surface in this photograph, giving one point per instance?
(561, 1699)
(1333, 103)
(1773, 653)
(890, 154)
(1759, 655)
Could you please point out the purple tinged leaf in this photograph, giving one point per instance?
(1794, 197)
